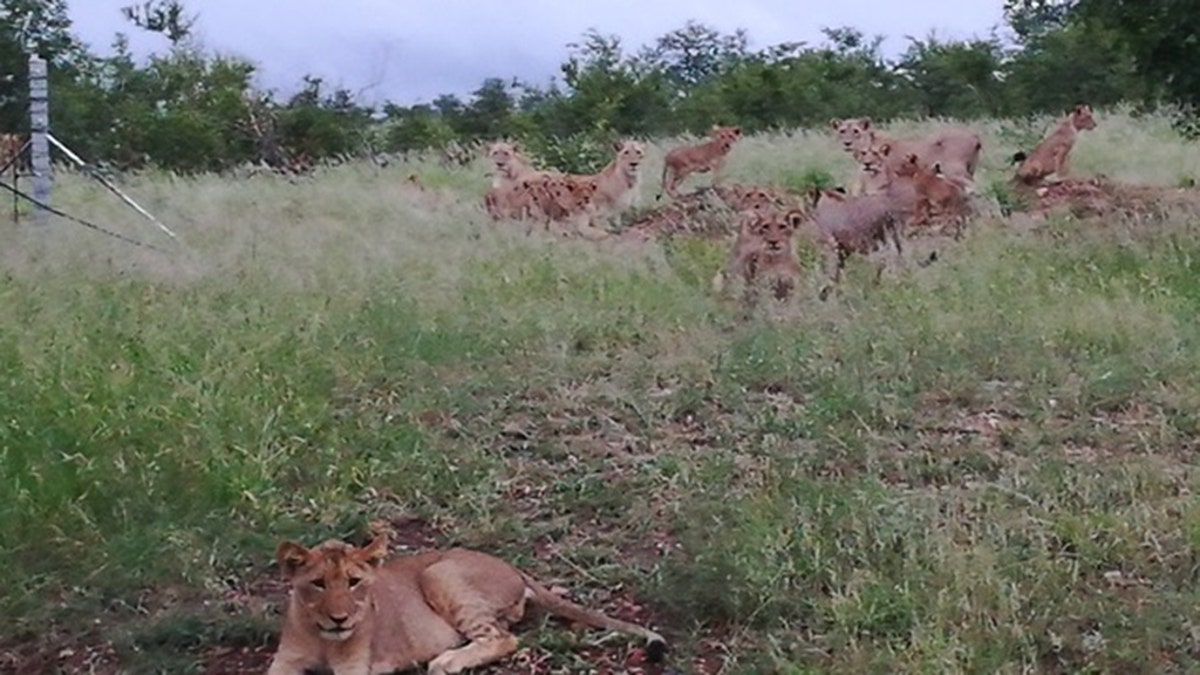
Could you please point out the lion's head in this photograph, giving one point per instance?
(330, 583)
(872, 158)
(758, 200)
(909, 167)
(855, 134)
(775, 230)
(506, 157)
(573, 195)
(725, 136)
(1081, 117)
(630, 155)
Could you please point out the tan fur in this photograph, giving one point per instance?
(935, 193)
(872, 174)
(763, 254)
(451, 609)
(510, 201)
(749, 198)
(575, 198)
(955, 149)
(1052, 155)
(619, 184)
(509, 165)
(508, 197)
(855, 225)
(704, 158)
(561, 200)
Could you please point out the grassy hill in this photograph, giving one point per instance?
(984, 465)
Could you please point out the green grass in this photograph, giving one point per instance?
(980, 466)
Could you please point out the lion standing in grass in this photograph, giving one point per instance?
(351, 612)
(704, 158)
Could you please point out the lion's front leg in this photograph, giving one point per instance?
(282, 666)
(478, 652)
(718, 167)
(1062, 163)
(358, 664)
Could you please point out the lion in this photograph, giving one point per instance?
(513, 201)
(563, 200)
(847, 225)
(575, 198)
(510, 165)
(750, 198)
(619, 183)
(763, 254)
(1052, 155)
(873, 170)
(354, 613)
(704, 158)
(956, 149)
(934, 192)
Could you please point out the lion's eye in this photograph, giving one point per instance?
(354, 581)
(319, 583)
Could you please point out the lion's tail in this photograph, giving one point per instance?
(656, 646)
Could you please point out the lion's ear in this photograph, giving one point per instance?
(835, 122)
(866, 123)
(795, 218)
(885, 149)
(814, 195)
(375, 552)
(291, 557)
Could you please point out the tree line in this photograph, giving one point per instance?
(190, 109)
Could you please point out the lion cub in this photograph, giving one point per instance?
(1052, 155)
(956, 149)
(709, 156)
(763, 254)
(351, 612)
(860, 225)
(934, 192)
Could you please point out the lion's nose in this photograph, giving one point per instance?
(339, 619)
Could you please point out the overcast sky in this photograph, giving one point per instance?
(410, 51)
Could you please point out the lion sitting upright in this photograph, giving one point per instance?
(352, 613)
(1052, 155)
(763, 254)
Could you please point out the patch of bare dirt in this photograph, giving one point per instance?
(59, 654)
(1097, 197)
(238, 660)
